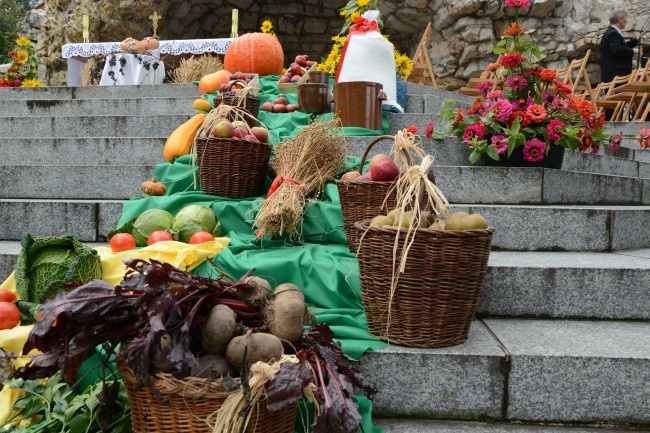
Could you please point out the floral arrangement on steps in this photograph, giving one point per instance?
(529, 112)
(23, 70)
(643, 139)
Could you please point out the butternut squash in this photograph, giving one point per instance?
(180, 141)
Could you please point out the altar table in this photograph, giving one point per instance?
(76, 54)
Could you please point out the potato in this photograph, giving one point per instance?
(161, 355)
(285, 314)
(211, 366)
(259, 346)
(259, 293)
(219, 329)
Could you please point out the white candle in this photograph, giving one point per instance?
(234, 23)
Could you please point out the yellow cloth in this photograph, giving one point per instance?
(178, 254)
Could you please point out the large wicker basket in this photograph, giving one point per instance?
(232, 168)
(436, 295)
(364, 200)
(188, 403)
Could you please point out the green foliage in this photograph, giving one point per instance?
(11, 12)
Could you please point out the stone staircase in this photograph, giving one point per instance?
(562, 339)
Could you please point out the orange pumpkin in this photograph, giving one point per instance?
(258, 53)
(210, 83)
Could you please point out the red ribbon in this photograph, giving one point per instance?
(279, 180)
(361, 25)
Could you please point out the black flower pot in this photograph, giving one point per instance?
(553, 159)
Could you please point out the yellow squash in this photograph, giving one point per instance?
(180, 141)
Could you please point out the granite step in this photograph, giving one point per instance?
(101, 92)
(517, 227)
(564, 371)
(485, 185)
(398, 425)
(561, 285)
(97, 107)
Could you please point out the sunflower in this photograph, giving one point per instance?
(403, 63)
(23, 41)
(266, 26)
(362, 3)
(31, 83)
(21, 56)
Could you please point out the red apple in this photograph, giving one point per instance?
(295, 78)
(375, 159)
(384, 171)
(292, 107)
(309, 64)
(280, 100)
(261, 133)
(267, 106)
(224, 87)
(295, 69)
(222, 129)
(350, 176)
(279, 108)
(241, 76)
(363, 178)
(301, 60)
(240, 132)
(250, 137)
(284, 79)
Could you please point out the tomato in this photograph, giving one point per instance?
(7, 296)
(9, 315)
(159, 236)
(200, 237)
(122, 242)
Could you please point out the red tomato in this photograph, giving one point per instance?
(158, 236)
(7, 296)
(9, 315)
(200, 237)
(122, 242)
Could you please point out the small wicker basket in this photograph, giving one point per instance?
(188, 403)
(232, 168)
(438, 292)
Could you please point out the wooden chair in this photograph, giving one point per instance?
(623, 94)
(422, 72)
(492, 76)
(575, 76)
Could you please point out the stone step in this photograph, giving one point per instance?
(564, 285)
(100, 92)
(400, 425)
(520, 370)
(517, 227)
(97, 107)
(478, 185)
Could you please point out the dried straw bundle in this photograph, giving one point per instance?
(406, 143)
(303, 164)
(194, 68)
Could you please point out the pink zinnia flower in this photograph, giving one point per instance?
(615, 141)
(536, 112)
(534, 150)
(428, 132)
(517, 82)
(645, 138)
(521, 4)
(494, 94)
(560, 104)
(484, 87)
(502, 110)
(500, 143)
(594, 150)
(473, 131)
(553, 129)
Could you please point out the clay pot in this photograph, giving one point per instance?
(314, 97)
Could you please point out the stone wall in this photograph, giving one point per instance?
(464, 31)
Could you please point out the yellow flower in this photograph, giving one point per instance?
(354, 15)
(23, 41)
(338, 40)
(343, 12)
(21, 56)
(403, 63)
(266, 26)
(362, 3)
(31, 83)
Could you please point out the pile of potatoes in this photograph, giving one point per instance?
(227, 348)
(456, 221)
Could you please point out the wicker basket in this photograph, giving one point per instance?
(364, 200)
(250, 103)
(436, 295)
(232, 168)
(188, 403)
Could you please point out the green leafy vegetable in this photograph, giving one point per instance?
(195, 218)
(48, 264)
(143, 225)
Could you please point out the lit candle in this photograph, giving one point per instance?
(233, 32)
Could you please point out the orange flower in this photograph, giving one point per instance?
(514, 30)
(548, 75)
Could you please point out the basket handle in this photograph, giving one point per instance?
(375, 141)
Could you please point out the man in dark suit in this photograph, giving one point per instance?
(616, 54)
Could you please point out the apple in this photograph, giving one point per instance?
(284, 79)
(222, 129)
(261, 133)
(295, 78)
(309, 64)
(292, 107)
(375, 159)
(239, 132)
(240, 76)
(296, 69)
(250, 137)
(267, 106)
(384, 171)
(363, 178)
(279, 108)
(223, 88)
(301, 60)
(280, 100)
(239, 123)
(350, 176)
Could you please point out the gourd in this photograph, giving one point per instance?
(153, 187)
(210, 83)
(258, 53)
(180, 141)
(201, 105)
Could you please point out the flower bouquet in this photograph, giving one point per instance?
(529, 113)
(23, 70)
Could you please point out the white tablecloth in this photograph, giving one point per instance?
(77, 53)
(134, 69)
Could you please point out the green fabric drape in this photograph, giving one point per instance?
(321, 263)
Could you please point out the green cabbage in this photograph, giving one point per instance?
(150, 221)
(195, 218)
(46, 264)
